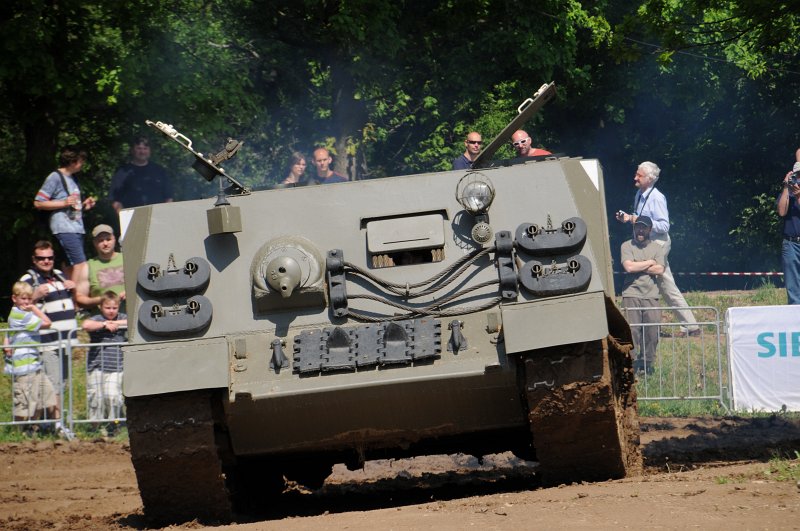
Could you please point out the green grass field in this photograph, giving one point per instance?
(77, 383)
(688, 369)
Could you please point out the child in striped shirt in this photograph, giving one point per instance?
(33, 391)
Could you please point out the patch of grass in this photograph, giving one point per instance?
(726, 480)
(688, 373)
(687, 370)
(79, 405)
(784, 468)
(681, 408)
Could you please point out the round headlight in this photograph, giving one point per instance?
(475, 193)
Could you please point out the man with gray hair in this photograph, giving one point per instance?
(650, 202)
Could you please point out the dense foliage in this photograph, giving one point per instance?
(708, 90)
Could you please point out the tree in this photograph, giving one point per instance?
(722, 92)
(89, 72)
(380, 83)
(758, 36)
(706, 90)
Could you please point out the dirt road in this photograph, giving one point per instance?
(706, 473)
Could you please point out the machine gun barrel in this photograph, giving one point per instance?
(207, 167)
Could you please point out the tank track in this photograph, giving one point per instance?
(582, 411)
(180, 453)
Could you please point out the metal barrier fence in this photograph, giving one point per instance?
(685, 366)
(94, 399)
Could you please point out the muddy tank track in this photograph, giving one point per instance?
(180, 452)
(582, 411)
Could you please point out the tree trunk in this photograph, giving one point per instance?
(348, 115)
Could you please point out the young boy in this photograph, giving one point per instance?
(104, 362)
(33, 391)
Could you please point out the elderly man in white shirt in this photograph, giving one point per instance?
(649, 201)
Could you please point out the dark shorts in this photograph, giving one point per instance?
(72, 244)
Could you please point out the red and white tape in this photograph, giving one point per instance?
(733, 274)
(722, 273)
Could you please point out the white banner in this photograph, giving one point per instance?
(764, 353)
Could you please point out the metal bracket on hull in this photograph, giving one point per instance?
(366, 346)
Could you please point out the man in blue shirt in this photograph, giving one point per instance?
(473, 144)
(789, 210)
(651, 203)
(140, 181)
(325, 175)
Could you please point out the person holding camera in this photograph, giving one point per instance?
(789, 210)
(650, 202)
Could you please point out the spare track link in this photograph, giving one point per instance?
(583, 413)
(177, 449)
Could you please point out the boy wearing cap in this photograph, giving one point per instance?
(643, 260)
(104, 272)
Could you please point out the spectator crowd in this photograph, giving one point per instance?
(43, 321)
(47, 300)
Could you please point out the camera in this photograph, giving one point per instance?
(794, 179)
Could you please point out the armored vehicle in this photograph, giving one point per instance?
(276, 333)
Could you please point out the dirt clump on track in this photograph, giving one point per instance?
(699, 472)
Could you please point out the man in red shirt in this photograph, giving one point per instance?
(522, 144)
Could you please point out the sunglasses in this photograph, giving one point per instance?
(521, 142)
(43, 258)
(479, 142)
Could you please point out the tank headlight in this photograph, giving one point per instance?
(475, 193)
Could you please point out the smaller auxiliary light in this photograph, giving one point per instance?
(475, 193)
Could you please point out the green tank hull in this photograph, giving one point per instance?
(296, 328)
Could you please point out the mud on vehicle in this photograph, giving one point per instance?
(276, 333)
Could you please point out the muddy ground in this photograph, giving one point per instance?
(704, 473)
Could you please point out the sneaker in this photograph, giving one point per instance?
(112, 429)
(64, 432)
(696, 332)
(640, 370)
(663, 332)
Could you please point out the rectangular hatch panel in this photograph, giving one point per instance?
(405, 233)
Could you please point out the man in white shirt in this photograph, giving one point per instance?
(650, 202)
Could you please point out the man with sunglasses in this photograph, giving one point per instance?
(52, 293)
(473, 144)
(522, 143)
